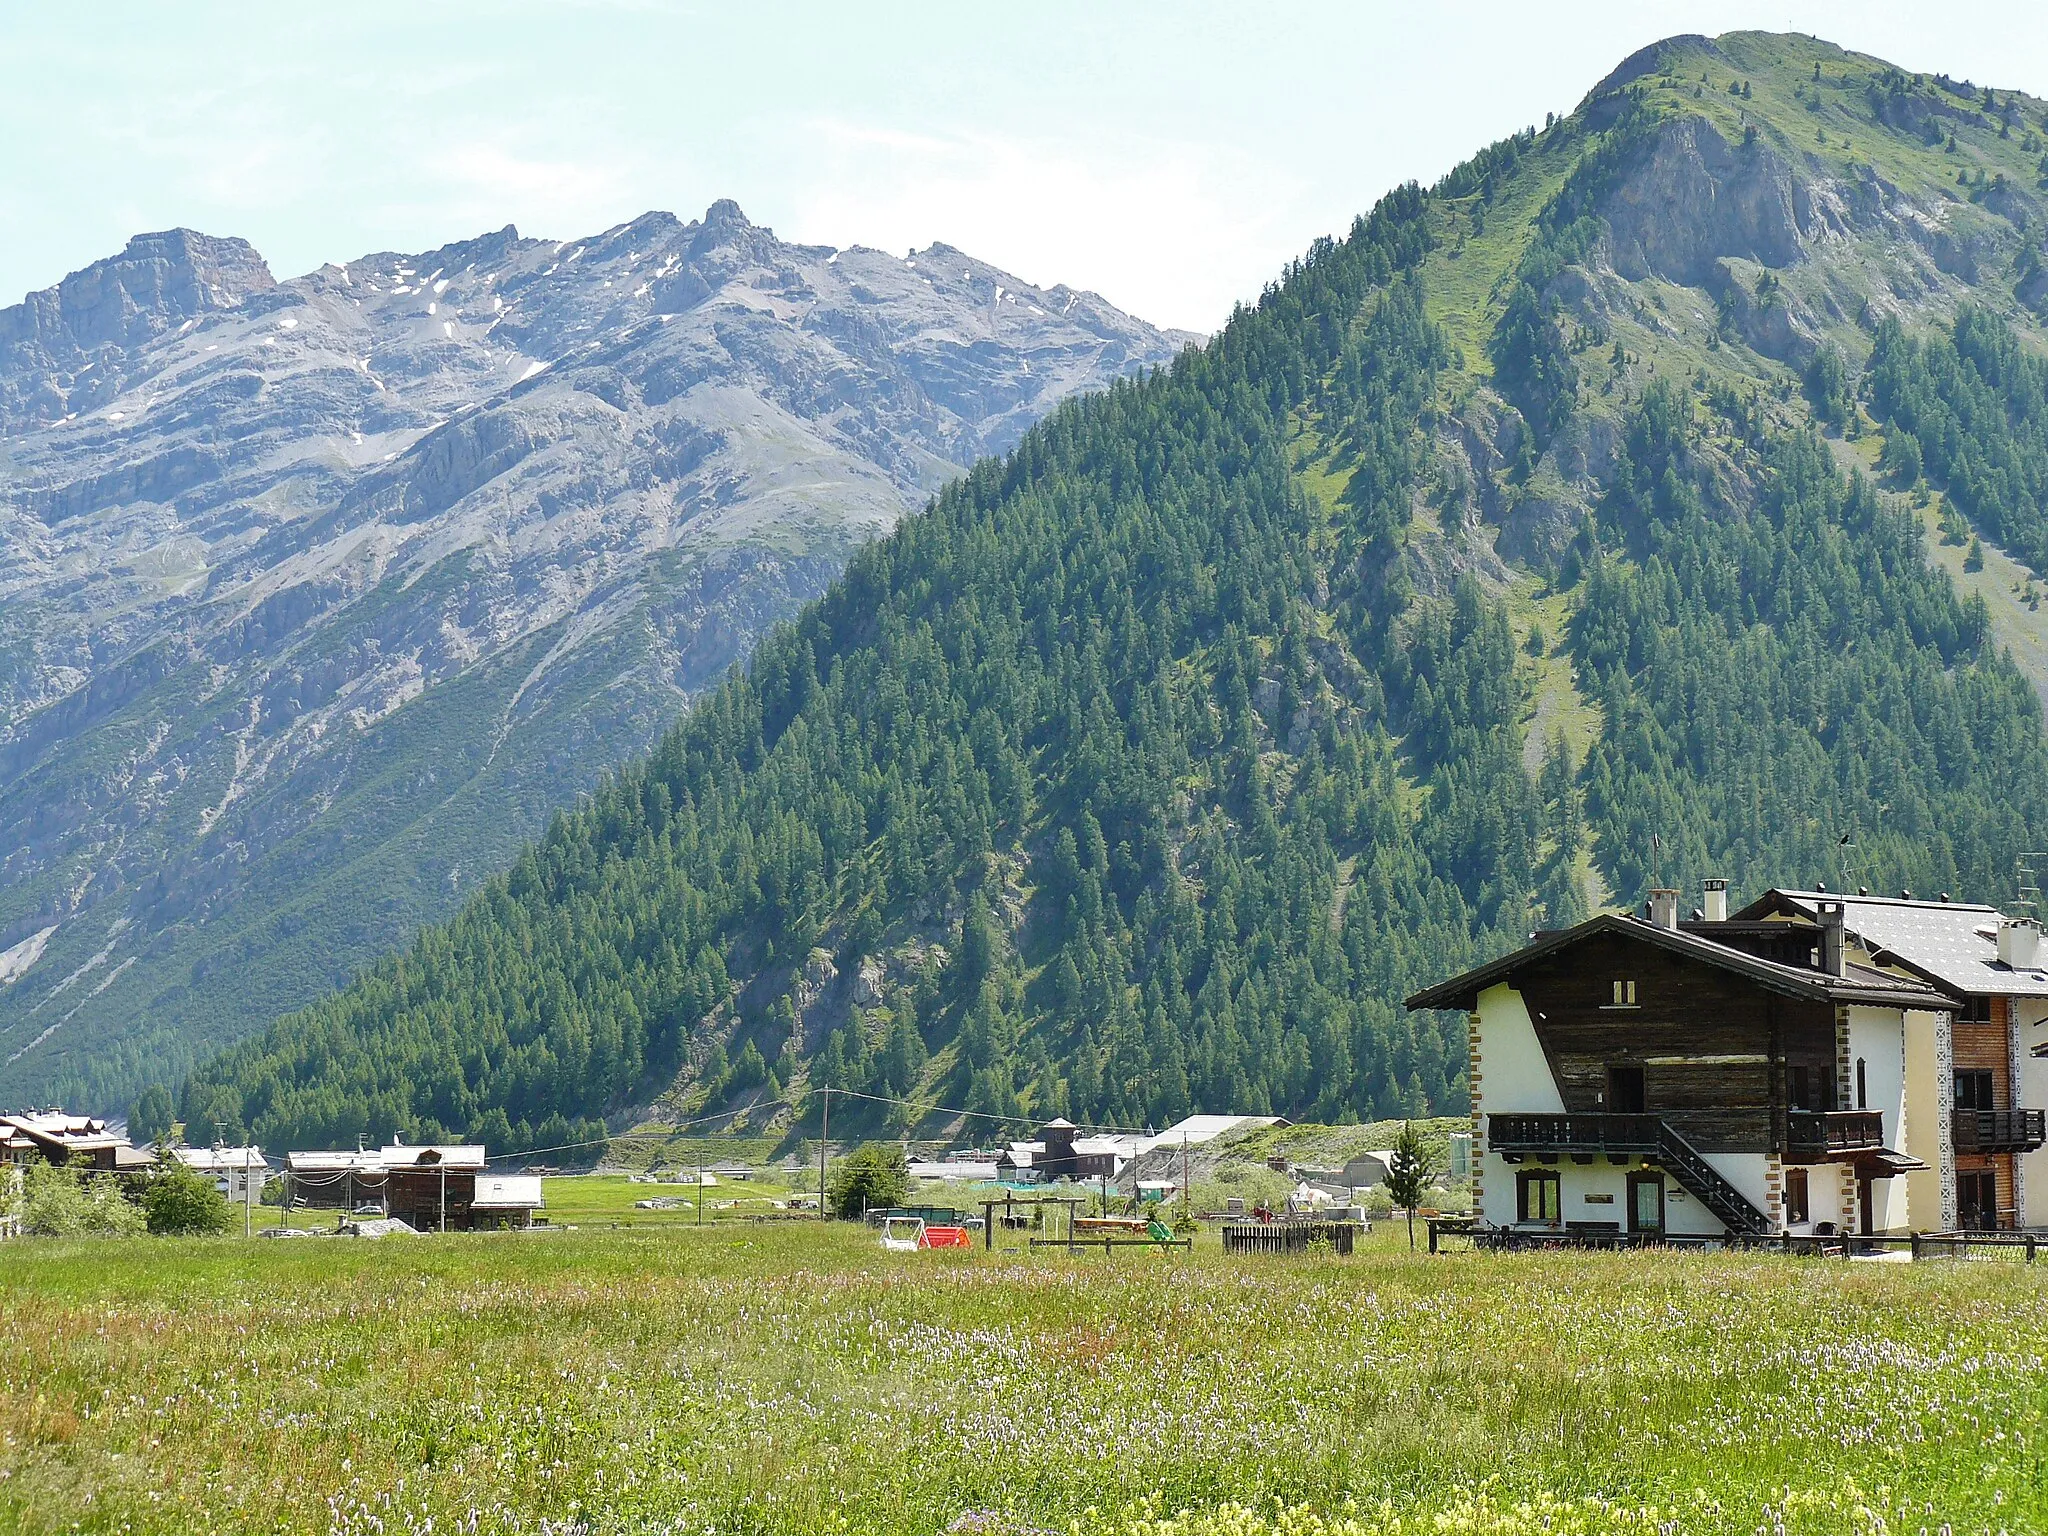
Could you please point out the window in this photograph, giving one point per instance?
(1538, 1196)
(1862, 1084)
(1799, 1087)
(1796, 1207)
(1975, 1010)
(1624, 995)
(1646, 1202)
(1973, 1089)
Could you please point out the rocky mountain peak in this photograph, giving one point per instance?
(316, 597)
(157, 283)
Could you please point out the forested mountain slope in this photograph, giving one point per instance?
(318, 597)
(1516, 548)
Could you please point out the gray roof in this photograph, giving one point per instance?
(1858, 985)
(1953, 944)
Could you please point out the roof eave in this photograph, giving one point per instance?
(1462, 992)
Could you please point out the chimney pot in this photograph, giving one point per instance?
(1831, 937)
(1664, 907)
(1716, 902)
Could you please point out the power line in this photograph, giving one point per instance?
(927, 1106)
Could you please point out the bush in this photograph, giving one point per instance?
(59, 1202)
(181, 1203)
(873, 1178)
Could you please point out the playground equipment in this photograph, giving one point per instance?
(912, 1234)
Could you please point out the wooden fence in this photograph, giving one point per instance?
(1289, 1236)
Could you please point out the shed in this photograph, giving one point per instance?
(506, 1200)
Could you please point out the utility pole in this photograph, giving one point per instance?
(700, 1191)
(1187, 1196)
(824, 1132)
(444, 1197)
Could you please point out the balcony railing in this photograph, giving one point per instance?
(1820, 1133)
(1634, 1134)
(1999, 1130)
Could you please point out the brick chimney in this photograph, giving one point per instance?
(1663, 907)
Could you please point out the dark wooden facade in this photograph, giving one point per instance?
(1723, 1059)
(421, 1197)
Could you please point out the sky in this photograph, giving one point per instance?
(1171, 155)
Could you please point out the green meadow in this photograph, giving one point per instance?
(792, 1377)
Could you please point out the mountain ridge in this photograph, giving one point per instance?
(1550, 535)
(320, 595)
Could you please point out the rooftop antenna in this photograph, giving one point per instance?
(2026, 884)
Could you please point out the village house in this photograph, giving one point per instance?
(430, 1189)
(340, 1181)
(446, 1189)
(1994, 1054)
(1646, 1078)
(237, 1172)
(72, 1141)
(1791, 1069)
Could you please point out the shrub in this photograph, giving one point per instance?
(59, 1202)
(179, 1202)
(872, 1178)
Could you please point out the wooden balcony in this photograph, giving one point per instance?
(1999, 1130)
(1520, 1134)
(1821, 1134)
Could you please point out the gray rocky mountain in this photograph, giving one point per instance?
(317, 597)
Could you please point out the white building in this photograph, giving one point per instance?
(1637, 1078)
(237, 1172)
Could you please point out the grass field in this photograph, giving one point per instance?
(796, 1379)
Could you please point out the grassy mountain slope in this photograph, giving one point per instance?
(1502, 557)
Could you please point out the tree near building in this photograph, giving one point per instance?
(180, 1202)
(1407, 1173)
(874, 1177)
(58, 1202)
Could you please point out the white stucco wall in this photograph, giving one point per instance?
(1877, 1039)
(2033, 1094)
(1830, 1191)
(1516, 1075)
(1513, 1076)
(1930, 1093)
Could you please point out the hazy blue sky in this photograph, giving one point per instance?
(1169, 155)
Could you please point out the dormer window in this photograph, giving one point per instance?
(1624, 994)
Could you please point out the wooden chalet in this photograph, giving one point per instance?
(1646, 1078)
(340, 1181)
(72, 1141)
(432, 1189)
